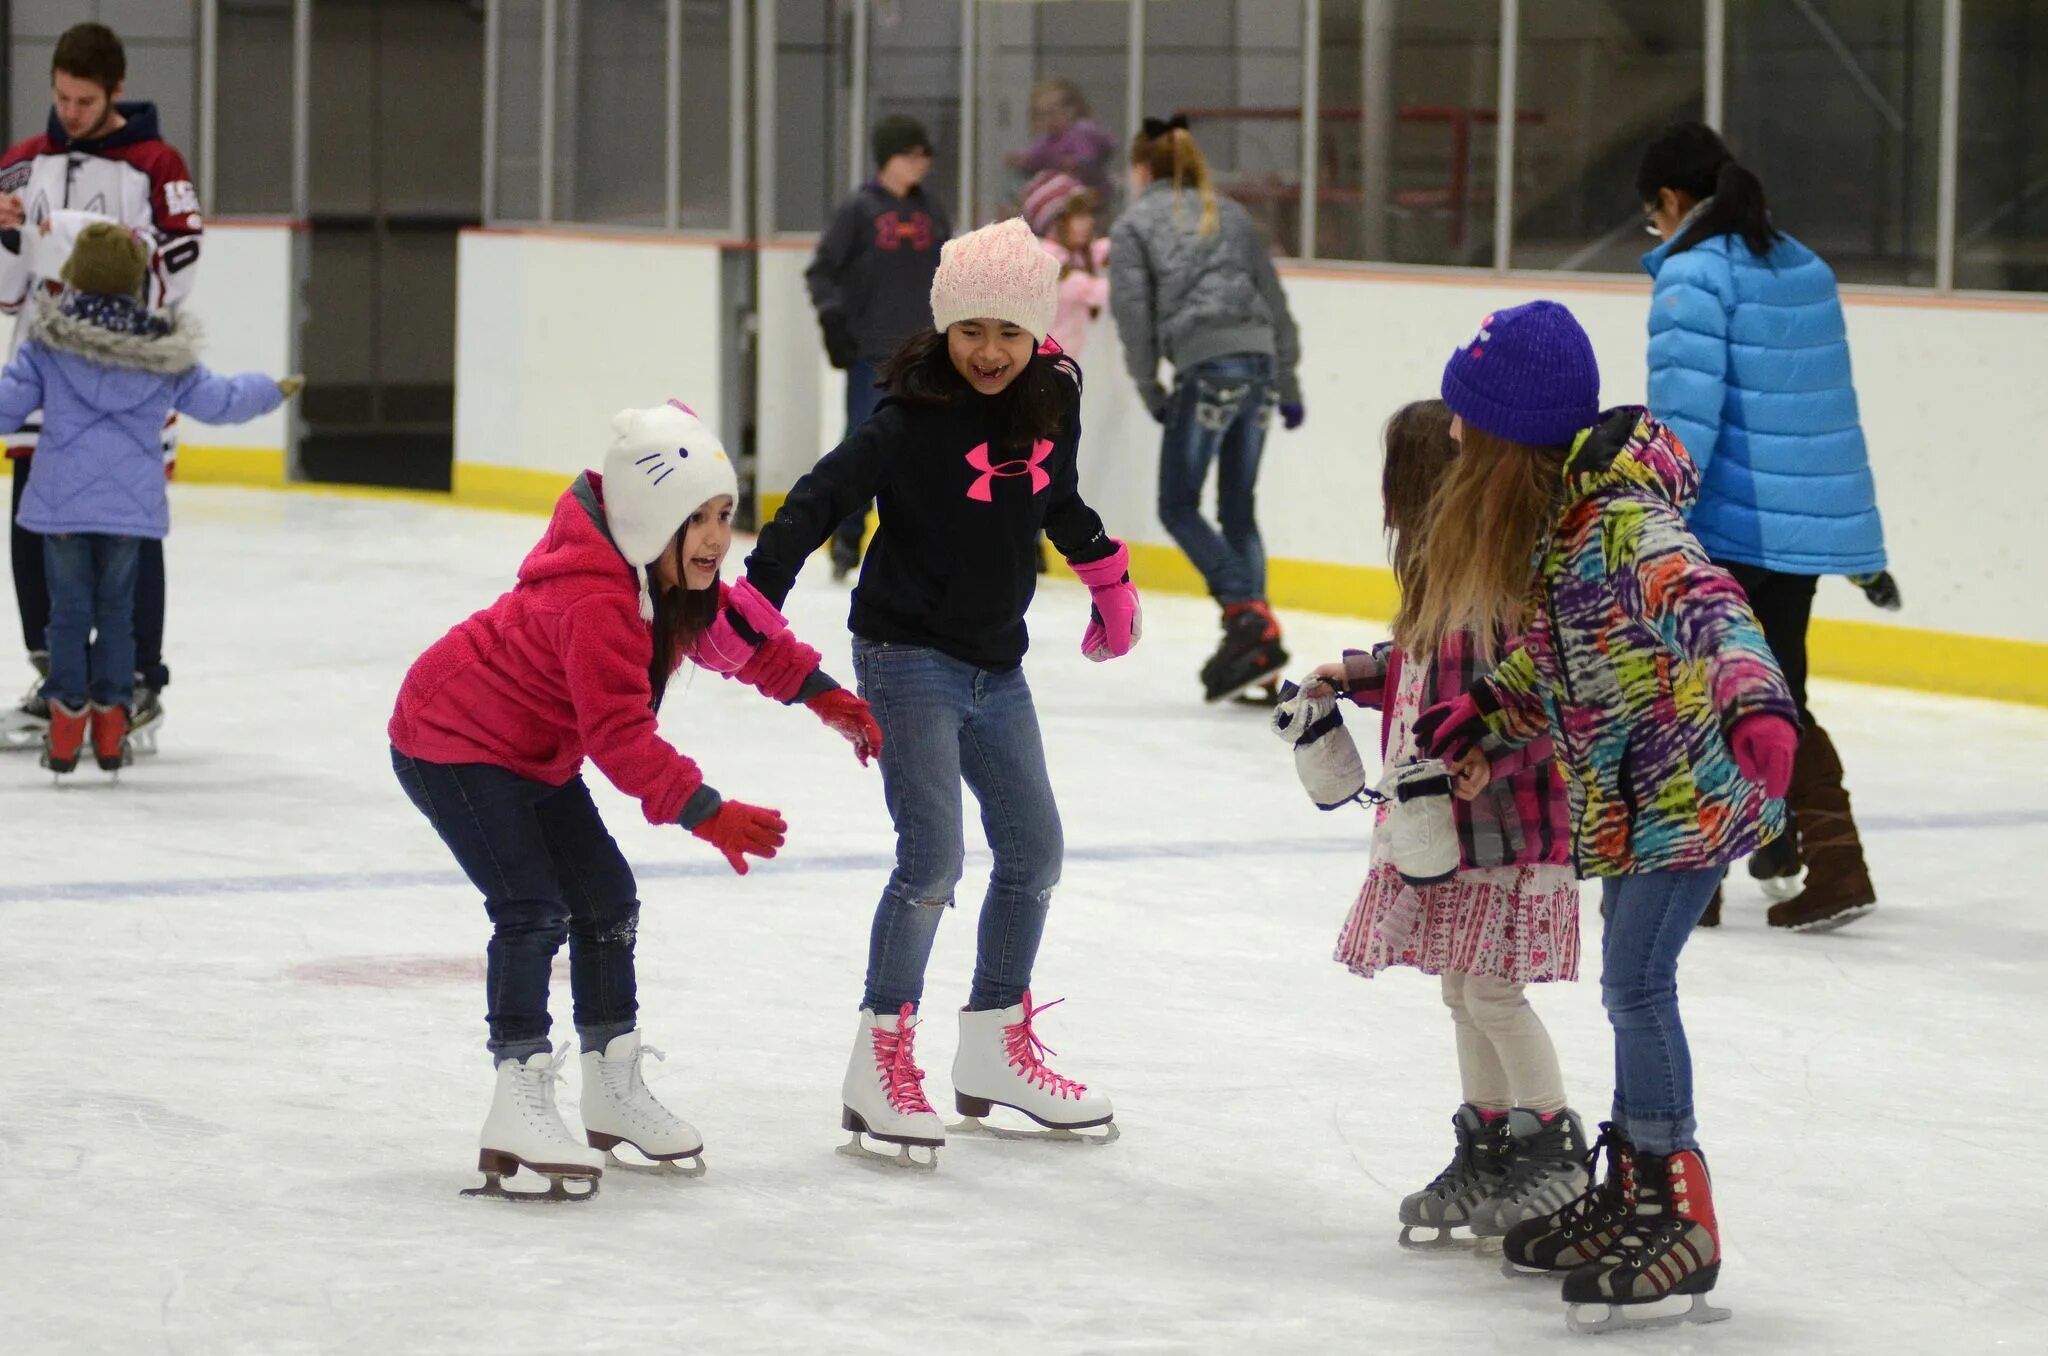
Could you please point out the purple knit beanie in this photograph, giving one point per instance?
(1528, 376)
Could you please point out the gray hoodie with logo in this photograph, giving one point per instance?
(1188, 297)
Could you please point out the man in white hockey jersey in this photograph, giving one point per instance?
(100, 159)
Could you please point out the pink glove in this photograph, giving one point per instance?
(1763, 745)
(745, 622)
(1115, 621)
(1450, 730)
(779, 667)
(849, 715)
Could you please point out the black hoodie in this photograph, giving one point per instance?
(872, 274)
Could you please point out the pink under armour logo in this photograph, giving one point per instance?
(1040, 477)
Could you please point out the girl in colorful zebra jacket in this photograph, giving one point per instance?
(1507, 919)
(1671, 720)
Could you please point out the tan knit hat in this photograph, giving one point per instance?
(999, 272)
(109, 260)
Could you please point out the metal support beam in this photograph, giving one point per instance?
(739, 169)
(547, 110)
(1311, 125)
(857, 99)
(493, 36)
(1951, 101)
(1134, 70)
(764, 119)
(672, 120)
(209, 101)
(1714, 50)
(970, 62)
(1504, 138)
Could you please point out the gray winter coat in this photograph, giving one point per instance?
(1187, 297)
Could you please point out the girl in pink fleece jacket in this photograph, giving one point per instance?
(1061, 210)
(488, 739)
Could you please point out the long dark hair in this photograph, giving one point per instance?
(680, 616)
(921, 373)
(1691, 158)
(1418, 452)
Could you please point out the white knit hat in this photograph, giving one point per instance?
(999, 272)
(663, 467)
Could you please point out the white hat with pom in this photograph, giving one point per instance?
(664, 466)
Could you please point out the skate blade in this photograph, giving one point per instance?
(1515, 1271)
(689, 1165)
(973, 1127)
(557, 1193)
(1834, 920)
(903, 1158)
(1637, 1317)
(1444, 1241)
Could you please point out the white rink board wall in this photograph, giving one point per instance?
(243, 298)
(555, 333)
(546, 340)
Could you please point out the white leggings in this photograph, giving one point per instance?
(1505, 1058)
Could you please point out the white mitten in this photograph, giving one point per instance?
(1324, 757)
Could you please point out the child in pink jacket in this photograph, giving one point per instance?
(1061, 210)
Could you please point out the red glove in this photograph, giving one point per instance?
(1450, 730)
(1764, 745)
(849, 715)
(738, 829)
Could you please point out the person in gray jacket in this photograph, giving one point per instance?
(1191, 280)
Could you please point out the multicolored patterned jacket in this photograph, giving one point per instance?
(1521, 818)
(1641, 655)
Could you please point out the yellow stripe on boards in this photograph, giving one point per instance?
(1860, 652)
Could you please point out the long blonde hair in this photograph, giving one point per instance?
(1168, 152)
(1475, 557)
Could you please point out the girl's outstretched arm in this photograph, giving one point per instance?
(843, 482)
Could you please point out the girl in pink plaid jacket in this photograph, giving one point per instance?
(1509, 918)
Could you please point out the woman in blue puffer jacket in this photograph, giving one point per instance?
(1749, 365)
(106, 370)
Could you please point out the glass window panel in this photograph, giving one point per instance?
(1052, 84)
(611, 111)
(1836, 105)
(1234, 67)
(812, 41)
(2002, 151)
(253, 108)
(914, 69)
(705, 145)
(517, 166)
(1406, 146)
(1596, 80)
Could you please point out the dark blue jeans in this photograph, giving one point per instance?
(549, 871)
(32, 592)
(1218, 414)
(1649, 919)
(861, 399)
(92, 617)
(943, 722)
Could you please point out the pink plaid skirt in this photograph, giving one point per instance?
(1505, 922)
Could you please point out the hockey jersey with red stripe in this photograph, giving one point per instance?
(131, 176)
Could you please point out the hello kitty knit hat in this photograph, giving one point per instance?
(664, 466)
(999, 272)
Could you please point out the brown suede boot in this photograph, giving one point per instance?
(1712, 917)
(1838, 888)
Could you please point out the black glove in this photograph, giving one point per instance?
(840, 346)
(1881, 589)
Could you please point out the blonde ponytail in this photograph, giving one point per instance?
(1168, 152)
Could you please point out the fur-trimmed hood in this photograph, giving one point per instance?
(171, 353)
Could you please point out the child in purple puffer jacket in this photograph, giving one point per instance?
(106, 371)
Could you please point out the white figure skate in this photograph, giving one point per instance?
(524, 1130)
(883, 1094)
(1001, 1062)
(618, 1109)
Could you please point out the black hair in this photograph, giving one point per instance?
(1691, 158)
(680, 616)
(1035, 405)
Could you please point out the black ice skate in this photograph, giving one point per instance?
(1475, 1172)
(1249, 654)
(1670, 1248)
(1578, 1231)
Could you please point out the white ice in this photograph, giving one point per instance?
(247, 1062)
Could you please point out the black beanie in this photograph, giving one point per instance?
(897, 133)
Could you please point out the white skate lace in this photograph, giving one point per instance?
(536, 1089)
(902, 1080)
(1027, 1053)
(630, 1087)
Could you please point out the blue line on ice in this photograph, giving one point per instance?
(318, 882)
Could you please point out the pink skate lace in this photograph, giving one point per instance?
(1027, 1053)
(902, 1080)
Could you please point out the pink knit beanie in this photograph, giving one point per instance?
(999, 272)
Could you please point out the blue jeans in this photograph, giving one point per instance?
(943, 722)
(1218, 413)
(861, 399)
(1649, 919)
(549, 871)
(92, 617)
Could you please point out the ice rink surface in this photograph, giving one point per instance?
(244, 998)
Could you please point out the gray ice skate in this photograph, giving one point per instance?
(1546, 1170)
(1475, 1172)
